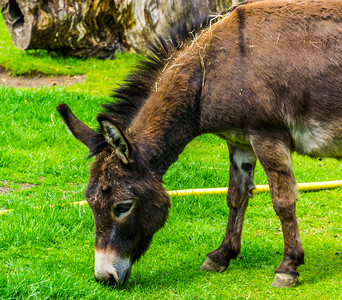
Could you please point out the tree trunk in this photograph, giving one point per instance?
(97, 28)
(150, 18)
(76, 27)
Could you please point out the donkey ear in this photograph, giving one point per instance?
(80, 131)
(115, 137)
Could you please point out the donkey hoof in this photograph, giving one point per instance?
(211, 266)
(284, 280)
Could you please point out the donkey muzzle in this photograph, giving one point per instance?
(110, 269)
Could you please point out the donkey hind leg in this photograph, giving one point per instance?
(275, 157)
(241, 184)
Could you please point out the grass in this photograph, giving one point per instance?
(48, 253)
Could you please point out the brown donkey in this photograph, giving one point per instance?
(266, 77)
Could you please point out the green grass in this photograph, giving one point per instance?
(48, 253)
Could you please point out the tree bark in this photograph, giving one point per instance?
(150, 18)
(97, 28)
(75, 27)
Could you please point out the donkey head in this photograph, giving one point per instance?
(128, 201)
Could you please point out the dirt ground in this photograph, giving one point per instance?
(5, 189)
(38, 81)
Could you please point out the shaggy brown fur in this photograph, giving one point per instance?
(267, 77)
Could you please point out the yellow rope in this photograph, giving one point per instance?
(309, 186)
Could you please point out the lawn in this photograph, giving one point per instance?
(47, 247)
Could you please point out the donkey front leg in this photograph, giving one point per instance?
(275, 157)
(241, 184)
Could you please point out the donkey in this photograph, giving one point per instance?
(266, 77)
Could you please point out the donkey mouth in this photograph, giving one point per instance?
(110, 269)
(116, 281)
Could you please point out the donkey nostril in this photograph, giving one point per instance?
(112, 282)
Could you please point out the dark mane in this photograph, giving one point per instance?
(130, 96)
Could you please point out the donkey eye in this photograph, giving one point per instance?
(122, 208)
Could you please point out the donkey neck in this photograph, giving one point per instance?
(170, 117)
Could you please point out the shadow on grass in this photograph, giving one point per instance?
(261, 263)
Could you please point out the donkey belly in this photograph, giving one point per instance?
(314, 141)
(318, 140)
(235, 138)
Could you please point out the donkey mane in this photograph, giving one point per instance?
(130, 97)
